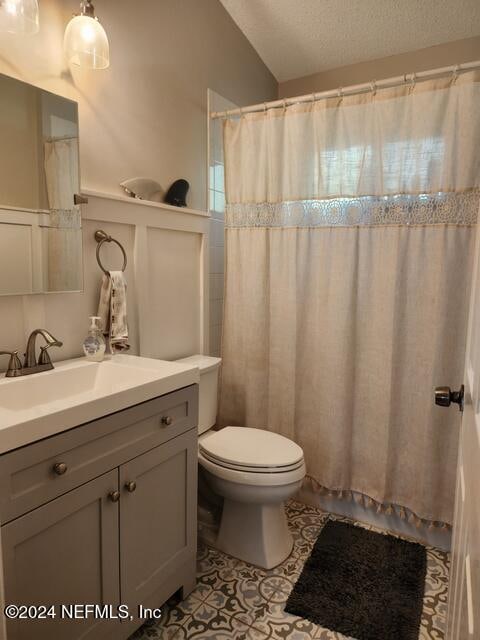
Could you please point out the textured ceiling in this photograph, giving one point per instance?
(299, 37)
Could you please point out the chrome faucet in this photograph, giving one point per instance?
(44, 359)
(31, 365)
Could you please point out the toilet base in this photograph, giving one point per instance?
(255, 533)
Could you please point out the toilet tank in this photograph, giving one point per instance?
(208, 392)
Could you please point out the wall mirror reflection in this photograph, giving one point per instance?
(40, 224)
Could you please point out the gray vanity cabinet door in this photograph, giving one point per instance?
(64, 552)
(158, 521)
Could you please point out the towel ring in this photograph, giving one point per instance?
(101, 237)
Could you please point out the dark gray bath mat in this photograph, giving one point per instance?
(366, 585)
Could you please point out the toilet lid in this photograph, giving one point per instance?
(254, 448)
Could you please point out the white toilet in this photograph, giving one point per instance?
(254, 471)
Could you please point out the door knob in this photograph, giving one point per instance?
(114, 496)
(130, 486)
(167, 420)
(444, 396)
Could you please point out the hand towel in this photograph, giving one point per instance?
(112, 309)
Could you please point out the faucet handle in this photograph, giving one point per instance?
(44, 357)
(14, 364)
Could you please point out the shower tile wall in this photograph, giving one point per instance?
(216, 194)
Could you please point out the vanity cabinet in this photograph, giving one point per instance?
(124, 533)
(64, 552)
(156, 536)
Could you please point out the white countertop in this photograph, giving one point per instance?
(78, 391)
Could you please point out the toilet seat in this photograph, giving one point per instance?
(249, 468)
(245, 448)
(251, 456)
(257, 478)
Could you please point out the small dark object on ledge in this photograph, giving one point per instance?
(177, 193)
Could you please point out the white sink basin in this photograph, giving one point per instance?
(78, 391)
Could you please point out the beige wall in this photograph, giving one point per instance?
(414, 61)
(145, 115)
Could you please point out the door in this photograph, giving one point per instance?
(463, 619)
(64, 552)
(157, 517)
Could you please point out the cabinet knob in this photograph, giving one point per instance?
(130, 486)
(167, 420)
(114, 496)
(60, 468)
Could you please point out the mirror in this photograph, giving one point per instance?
(40, 224)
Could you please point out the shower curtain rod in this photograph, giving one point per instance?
(351, 90)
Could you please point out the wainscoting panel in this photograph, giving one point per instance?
(167, 280)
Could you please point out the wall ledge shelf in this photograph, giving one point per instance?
(126, 210)
(144, 203)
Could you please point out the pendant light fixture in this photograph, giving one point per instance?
(85, 42)
(19, 16)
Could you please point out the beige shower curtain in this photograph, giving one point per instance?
(64, 233)
(348, 245)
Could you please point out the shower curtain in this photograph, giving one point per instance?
(348, 251)
(64, 234)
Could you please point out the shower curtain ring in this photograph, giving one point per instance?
(413, 81)
(455, 71)
(284, 105)
(373, 88)
(340, 93)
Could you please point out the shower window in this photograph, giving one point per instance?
(342, 170)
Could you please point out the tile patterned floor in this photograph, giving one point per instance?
(236, 601)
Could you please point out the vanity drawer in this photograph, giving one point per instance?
(37, 473)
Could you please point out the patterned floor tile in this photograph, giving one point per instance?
(209, 622)
(279, 625)
(174, 615)
(234, 600)
(436, 592)
(178, 613)
(215, 570)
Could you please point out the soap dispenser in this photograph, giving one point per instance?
(94, 343)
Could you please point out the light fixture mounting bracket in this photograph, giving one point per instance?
(87, 8)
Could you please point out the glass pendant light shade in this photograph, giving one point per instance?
(85, 42)
(19, 16)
